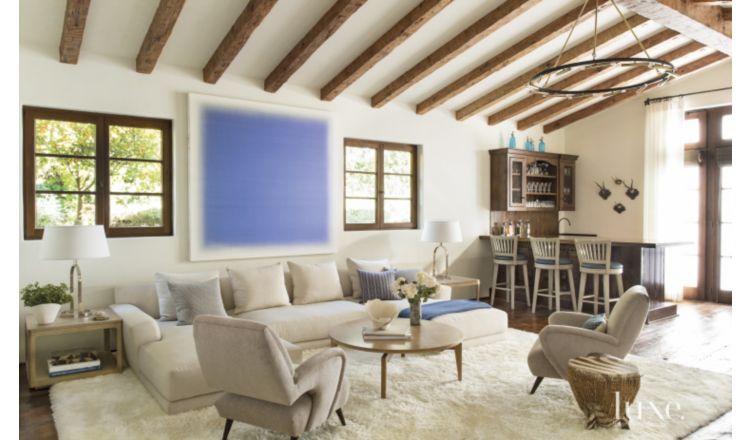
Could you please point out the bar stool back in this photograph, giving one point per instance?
(595, 258)
(547, 257)
(505, 253)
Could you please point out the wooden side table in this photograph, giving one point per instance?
(458, 281)
(36, 362)
(600, 382)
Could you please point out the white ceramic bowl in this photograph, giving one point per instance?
(381, 313)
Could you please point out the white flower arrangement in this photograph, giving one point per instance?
(424, 287)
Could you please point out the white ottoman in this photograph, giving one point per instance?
(478, 326)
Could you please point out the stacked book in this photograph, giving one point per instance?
(75, 361)
(394, 332)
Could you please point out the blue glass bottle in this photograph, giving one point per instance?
(512, 141)
(542, 145)
(531, 145)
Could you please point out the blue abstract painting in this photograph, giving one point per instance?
(264, 181)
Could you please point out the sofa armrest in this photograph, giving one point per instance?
(562, 343)
(443, 292)
(138, 329)
(572, 319)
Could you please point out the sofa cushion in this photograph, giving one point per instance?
(315, 283)
(167, 309)
(377, 285)
(308, 322)
(258, 288)
(353, 265)
(196, 298)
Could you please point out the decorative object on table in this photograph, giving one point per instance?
(399, 331)
(542, 145)
(381, 313)
(619, 208)
(603, 386)
(604, 193)
(512, 141)
(662, 70)
(416, 293)
(74, 361)
(100, 315)
(441, 232)
(74, 243)
(45, 301)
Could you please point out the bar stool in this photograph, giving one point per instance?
(547, 257)
(595, 258)
(505, 253)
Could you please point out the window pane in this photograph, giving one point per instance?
(726, 127)
(64, 174)
(692, 133)
(129, 176)
(360, 159)
(726, 176)
(135, 142)
(397, 211)
(726, 239)
(690, 276)
(395, 161)
(727, 280)
(65, 209)
(360, 211)
(64, 137)
(360, 185)
(397, 186)
(727, 212)
(135, 211)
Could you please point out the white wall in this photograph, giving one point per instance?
(454, 168)
(611, 143)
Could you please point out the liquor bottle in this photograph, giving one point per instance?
(495, 229)
(509, 229)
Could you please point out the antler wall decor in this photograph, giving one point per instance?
(632, 192)
(604, 193)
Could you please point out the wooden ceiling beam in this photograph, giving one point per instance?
(73, 27)
(387, 42)
(322, 31)
(542, 36)
(520, 82)
(534, 98)
(687, 69)
(249, 20)
(621, 79)
(479, 30)
(700, 23)
(158, 34)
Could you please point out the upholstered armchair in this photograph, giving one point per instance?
(248, 362)
(565, 338)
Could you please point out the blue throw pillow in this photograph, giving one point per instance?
(377, 285)
(596, 322)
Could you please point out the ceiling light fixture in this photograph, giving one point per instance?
(539, 83)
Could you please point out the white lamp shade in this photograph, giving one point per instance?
(74, 242)
(442, 232)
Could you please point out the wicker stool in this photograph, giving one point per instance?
(599, 382)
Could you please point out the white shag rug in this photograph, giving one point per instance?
(424, 401)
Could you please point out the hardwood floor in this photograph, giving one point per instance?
(698, 337)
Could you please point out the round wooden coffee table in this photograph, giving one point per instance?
(428, 337)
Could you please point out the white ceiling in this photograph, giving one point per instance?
(115, 28)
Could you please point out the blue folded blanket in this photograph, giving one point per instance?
(439, 308)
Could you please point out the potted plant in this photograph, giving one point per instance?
(45, 301)
(416, 293)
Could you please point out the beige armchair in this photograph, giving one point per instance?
(564, 338)
(247, 361)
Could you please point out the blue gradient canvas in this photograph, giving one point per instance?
(265, 178)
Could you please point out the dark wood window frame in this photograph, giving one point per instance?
(102, 192)
(380, 147)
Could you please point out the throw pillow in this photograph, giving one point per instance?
(196, 298)
(353, 265)
(377, 285)
(167, 310)
(315, 282)
(258, 288)
(409, 274)
(596, 322)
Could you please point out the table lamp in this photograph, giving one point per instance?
(441, 232)
(74, 243)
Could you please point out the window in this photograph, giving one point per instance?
(380, 185)
(91, 168)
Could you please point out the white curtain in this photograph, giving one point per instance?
(664, 186)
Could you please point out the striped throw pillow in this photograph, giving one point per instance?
(377, 285)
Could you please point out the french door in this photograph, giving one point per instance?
(709, 213)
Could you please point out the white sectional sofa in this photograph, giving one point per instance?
(164, 358)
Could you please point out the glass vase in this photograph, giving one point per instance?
(415, 312)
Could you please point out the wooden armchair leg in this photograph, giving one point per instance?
(536, 384)
(340, 413)
(227, 427)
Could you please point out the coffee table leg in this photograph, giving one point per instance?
(383, 374)
(458, 350)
